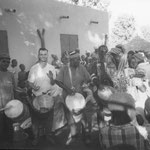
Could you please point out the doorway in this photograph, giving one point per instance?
(4, 42)
(69, 42)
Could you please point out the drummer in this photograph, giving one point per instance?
(40, 83)
(7, 86)
(73, 76)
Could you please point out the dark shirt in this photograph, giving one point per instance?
(79, 76)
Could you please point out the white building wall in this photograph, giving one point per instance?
(31, 15)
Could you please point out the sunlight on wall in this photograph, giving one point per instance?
(94, 38)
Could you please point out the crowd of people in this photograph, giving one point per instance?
(113, 85)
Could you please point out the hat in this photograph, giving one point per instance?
(139, 57)
(121, 100)
(140, 73)
(4, 55)
(116, 51)
(121, 47)
(74, 53)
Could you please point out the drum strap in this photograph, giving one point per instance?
(70, 76)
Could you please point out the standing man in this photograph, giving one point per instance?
(40, 83)
(73, 76)
(7, 85)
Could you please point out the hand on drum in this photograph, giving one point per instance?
(88, 91)
(35, 87)
(72, 91)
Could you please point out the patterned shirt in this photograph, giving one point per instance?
(125, 134)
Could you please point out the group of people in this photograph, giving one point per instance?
(113, 83)
(10, 79)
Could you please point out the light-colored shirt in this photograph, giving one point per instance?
(15, 71)
(7, 85)
(38, 76)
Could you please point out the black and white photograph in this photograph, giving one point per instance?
(75, 74)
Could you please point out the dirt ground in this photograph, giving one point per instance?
(60, 138)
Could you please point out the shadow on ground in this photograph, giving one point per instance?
(61, 139)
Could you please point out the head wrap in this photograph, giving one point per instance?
(139, 72)
(116, 51)
(74, 53)
(120, 46)
(138, 57)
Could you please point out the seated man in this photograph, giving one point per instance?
(123, 128)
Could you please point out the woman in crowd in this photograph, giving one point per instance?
(22, 76)
(116, 62)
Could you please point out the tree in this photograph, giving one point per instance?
(145, 33)
(96, 4)
(123, 30)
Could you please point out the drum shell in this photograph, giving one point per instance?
(36, 112)
(22, 116)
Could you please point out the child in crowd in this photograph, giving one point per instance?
(22, 76)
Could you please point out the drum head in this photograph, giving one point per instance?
(15, 108)
(75, 102)
(43, 102)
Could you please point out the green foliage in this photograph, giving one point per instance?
(145, 32)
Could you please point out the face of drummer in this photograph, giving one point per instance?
(133, 63)
(4, 63)
(43, 55)
(74, 62)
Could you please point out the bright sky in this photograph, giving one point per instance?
(140, 9)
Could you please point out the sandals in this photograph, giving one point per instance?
(71, 139)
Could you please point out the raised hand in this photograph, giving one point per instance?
(50, 75)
